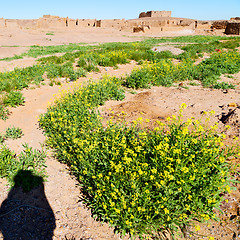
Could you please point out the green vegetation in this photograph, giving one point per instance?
(13, 99)
(1, 139)
(141, 181)
(13, 133)
(32, 161)
(4, 112)
(12, 58)
(50, 33)
(36, 51)
(165, 73)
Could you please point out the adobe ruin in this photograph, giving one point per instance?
(151, 21)
(155, 14)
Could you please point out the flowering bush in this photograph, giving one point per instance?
(140, 181)
(165, 73)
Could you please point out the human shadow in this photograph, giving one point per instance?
(26, 213)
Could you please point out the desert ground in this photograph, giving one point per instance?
(73, 219)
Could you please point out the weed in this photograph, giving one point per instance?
(17, 169)
(13, 133)
(13, 99)
(1, 139)
(50, 33)
(4, 112)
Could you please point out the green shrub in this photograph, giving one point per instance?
(140, 181)
(223, 85)
(53, 71)
(13, 99)
(4, 112)
(29, 162)
(164, 72)
(1, 139)
(13, 133)
(6, 160)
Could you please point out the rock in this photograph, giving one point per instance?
(232, 105)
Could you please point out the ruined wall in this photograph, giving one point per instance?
(51, 22)
(155, 14)
(111, 23)
(2, 23)
(86, 22)
(159, 24)
(233, 28)
(48, 21)
(12, 23)
(27, 23)
(149, 21)
(219, 24)
(204, 25)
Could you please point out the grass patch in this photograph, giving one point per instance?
(50, 33)
(13, 133)
(17, 169)
(165, 73)
(12, 58)
(36, 51)
(13, 99)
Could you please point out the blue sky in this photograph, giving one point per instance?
(106, 9)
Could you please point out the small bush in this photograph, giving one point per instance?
(29, 162)
(223, 85)
(13, 133)
(13, 99)
(4, 112)
(1, 139)
(6, 160)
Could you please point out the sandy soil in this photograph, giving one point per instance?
(71, 219)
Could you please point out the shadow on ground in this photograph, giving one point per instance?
(26, 213)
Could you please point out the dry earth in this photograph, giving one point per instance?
(66, 216)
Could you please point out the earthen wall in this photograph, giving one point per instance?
(152, 20)
(12, 23)
(111, 23)
(27, 23)
(2, 23)
(155, 14)
(233, 28)
(47, 22)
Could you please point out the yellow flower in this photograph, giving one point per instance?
(183, 106)
(166, 211)
(117, 210)
(197, 228)
(211, 238)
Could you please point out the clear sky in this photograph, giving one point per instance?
(106, 9)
